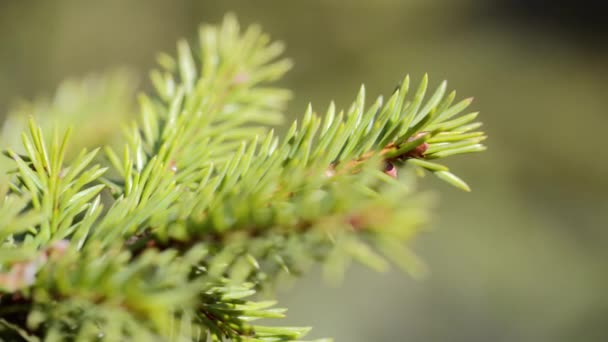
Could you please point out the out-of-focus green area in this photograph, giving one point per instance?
(522, 258)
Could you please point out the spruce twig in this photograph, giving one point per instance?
(171, 238)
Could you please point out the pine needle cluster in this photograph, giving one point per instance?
(169, 236)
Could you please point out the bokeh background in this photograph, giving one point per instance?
(522, 258)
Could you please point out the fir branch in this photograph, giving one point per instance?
(207, 204)
(59, 192)
(92, 293)
(15, 217)
(203, 102)
(251, 197)
(212, 96)
(228, 314)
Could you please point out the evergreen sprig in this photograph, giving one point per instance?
(205, 205)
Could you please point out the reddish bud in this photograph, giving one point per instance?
(240, 78)
(418, 151)
(390, 169)
(173, 166)
(357, 222)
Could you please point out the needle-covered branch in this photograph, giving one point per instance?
(169, 239)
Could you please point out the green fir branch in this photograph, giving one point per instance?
(205, 204)
(59, 192)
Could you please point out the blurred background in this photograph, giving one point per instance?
(522, 258)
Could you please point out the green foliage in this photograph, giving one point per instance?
(205, 205)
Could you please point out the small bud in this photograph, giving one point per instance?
(331, 170)
(240, 78)
(390, 169)
(357, 222)
(173, 166)
(418, 151)
(58, 248)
